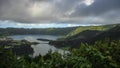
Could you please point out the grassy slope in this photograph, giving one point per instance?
(110, 31)
(83, 28)
(86, 30)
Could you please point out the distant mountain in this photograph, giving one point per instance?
(89, 36)
(42, 31)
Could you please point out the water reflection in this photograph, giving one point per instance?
(41, 49)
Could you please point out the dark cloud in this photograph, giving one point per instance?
(98, 7)
(41, 11)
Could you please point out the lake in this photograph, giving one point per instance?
(41, 49)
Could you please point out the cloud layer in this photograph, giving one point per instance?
(61, 11)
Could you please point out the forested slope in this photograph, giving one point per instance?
(89, 37)
(43, 31)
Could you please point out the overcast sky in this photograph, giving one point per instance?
(62, 12)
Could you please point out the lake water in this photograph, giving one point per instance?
(41, 49)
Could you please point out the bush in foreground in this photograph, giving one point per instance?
(103, 54)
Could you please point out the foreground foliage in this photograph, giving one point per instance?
(103, 54)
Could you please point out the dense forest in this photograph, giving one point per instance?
(89, 36)
(42, 31)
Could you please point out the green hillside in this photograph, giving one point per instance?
(34, 31)
(83, 28)
(86, 31)
(89, 36)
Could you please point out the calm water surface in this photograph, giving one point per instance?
(41, 49)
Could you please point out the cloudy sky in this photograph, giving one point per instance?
(58, 13)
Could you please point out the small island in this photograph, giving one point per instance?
(41, 39)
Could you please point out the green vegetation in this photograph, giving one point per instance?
(19, 47)
(89, 37)
(100, 55)
(85, 31)
(83, 28)
(42, 31)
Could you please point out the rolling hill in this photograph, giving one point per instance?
(89, 36)
(36, 31)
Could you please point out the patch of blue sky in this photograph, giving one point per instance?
(7, 23)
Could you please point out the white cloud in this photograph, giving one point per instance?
(70, 12)
(88, 2)
(40, 9)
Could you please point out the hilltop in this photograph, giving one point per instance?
(90, 36)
